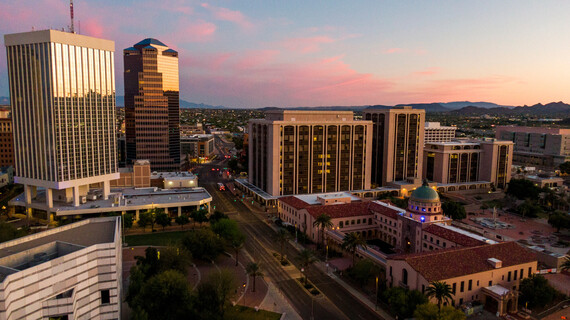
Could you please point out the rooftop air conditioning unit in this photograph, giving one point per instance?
(496, 263)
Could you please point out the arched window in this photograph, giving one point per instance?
(341, 224)
(405, 276)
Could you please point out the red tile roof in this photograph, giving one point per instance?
(385, 210)
(294, 202)
(344, 210)
(446, 264)
(460, 239)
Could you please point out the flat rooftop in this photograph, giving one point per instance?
(312, 199)
(123, 199)
(26, 252)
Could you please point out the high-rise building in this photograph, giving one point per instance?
(397, 144)
(435, 132)
(299, 152)
(466, 164)
(152, 107)
(62, 88)
(6, 141)
(546, 148)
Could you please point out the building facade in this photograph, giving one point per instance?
(435, 132)
(467, 162)
(300, 152)
(63, 112)
(546, 148)
(152, 106)
(397, 144)
(198, 145)
(70, 272)
(6, 142)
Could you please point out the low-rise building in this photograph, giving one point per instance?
(6, 175)
(197, 146)
(487, 273)
(546, 148)
(174, 180)
(70, 272)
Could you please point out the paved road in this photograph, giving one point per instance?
(337, 303)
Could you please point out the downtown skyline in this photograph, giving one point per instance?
(254, 54)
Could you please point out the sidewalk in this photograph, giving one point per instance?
(322, 266)
(276, 302)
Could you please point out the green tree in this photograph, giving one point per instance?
(164, 296)
(181, 220)
(217, 216)
(199, 216)
(228, 230)
(351, 242)
(565, 167)
(536, 291)
(559, 220)
(429, 311)
(323, 221)
(206, 302)
(162, 219)
(203, 244)
(282, 237)
(364, 270)
(441, 291)
(454, 210)
(9, 232)
(529, 209)
(523, 189)
(225, 285)
(306, 257)
(128, 220)
(253, 270)
(145, 219)
(404, 302)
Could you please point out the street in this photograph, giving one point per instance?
(337, 303)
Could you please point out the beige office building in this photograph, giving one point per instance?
(470, 164)
(62, 87)
(397, 144)
(299, 152)
(546, 148)
(435, 132)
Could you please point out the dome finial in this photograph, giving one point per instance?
(425, 184)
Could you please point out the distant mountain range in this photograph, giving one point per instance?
(466, 108)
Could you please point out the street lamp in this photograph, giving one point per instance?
(376, 299)
(244, 292)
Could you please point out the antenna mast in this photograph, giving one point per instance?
(71, 28)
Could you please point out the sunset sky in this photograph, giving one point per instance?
(257, 53)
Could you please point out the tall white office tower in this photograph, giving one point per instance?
(62, 91)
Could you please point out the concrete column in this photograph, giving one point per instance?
(49, 217)
(179, 211)
(76, 202)
(49, 198)
(106, 189)
(28, 194)
(137, 215)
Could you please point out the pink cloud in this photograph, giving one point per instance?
(305, 45)
(197, 31)
(393, 50)
(226, 14)
(427, 72)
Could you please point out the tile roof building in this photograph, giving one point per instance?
(474, 273)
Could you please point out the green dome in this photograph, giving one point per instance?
(424, 193)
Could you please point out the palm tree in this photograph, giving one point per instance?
(566, 264)
(323, 221)
(351, 242)
(282, 237)
(253, 270)
(236, 243)
(306, 257)
(441, 291)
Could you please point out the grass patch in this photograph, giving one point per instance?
(246, 313)
(155, 239)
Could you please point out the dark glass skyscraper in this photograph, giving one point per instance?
(152, 108)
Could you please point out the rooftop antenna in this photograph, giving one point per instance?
(71, 28)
